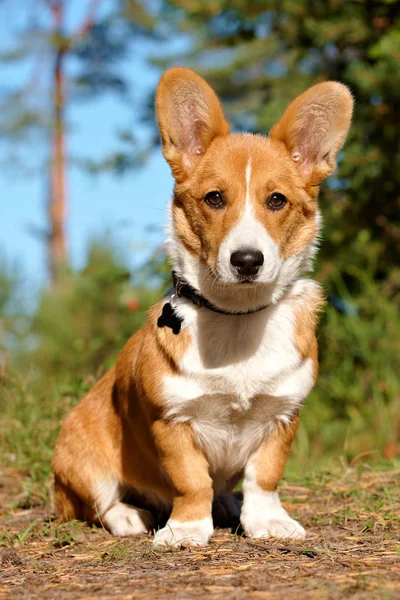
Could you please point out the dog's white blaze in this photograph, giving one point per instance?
(188, 533)
(248, 178)
(262, 512)
(249, 232)
(238, 378)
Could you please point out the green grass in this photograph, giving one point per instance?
(17, 539)
(31, 416)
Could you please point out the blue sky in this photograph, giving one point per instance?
(123, 206)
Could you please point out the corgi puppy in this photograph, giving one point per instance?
(209, 390)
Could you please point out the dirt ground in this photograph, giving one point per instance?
(352, 550)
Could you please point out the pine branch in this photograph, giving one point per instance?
(88, 22)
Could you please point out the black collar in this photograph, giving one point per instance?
(183, 289)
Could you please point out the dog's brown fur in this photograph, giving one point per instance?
(119, 430)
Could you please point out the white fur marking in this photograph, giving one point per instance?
(262, 512)
(249, 233)
(107, 493)
(123, 520)
(298, 384)
(248, 177)
(189, 533)
(239, 376)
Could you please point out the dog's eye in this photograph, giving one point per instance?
(276, 201)
(214, 199)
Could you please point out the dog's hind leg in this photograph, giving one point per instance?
(68, 505)
(121, 519)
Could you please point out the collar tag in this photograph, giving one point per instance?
(169, 318)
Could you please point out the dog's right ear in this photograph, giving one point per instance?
(189, 117)
(314, 128)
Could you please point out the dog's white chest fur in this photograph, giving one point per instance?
(239, 376)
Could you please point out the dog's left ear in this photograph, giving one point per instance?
(189, 117)
(314, 128)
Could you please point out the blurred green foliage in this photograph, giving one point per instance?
(79, 329)
(12, 318)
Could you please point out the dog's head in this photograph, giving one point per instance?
(245, 218)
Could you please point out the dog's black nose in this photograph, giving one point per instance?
(247, 261)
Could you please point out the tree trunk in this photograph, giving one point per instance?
(57, 248)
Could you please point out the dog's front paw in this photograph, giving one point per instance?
(263, 516)
(283, 527)
(189, 533)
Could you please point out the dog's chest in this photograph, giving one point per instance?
(237, 379)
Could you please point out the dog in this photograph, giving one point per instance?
(208, 391)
